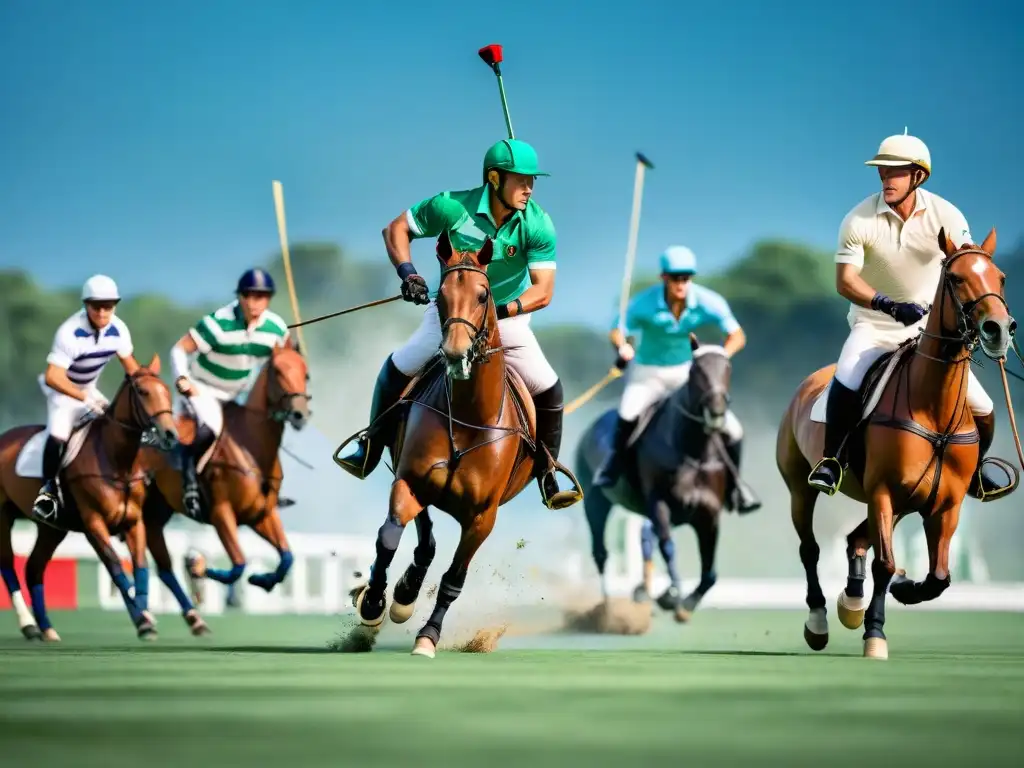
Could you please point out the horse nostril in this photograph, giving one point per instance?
(991, 330)
(1012, 328)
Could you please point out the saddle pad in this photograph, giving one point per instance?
(30, 459)
(875, 394)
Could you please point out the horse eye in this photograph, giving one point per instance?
(483, 296)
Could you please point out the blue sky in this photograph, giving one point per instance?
(141, 140)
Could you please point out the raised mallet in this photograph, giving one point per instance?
(642, 163)
(492, 56)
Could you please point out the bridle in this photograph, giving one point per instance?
(478, 351)
(699, 412)
(141, 420)
(966, 327)
(281, 406)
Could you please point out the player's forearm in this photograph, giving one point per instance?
(535, 297)
(397, 240)
(852, 287)
(617, 338)
(734, 342)
(57, 380)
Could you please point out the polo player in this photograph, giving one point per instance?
(664, 315)
(888, 264)
(228, 345)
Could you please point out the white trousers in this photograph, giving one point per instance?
(646, 384)
(527, 357)
(63, 412)
(207, 403)
(866, 343)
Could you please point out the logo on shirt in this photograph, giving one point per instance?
(510, 251)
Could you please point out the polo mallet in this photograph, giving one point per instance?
(642, 163)
(491, 54)
(282, 233)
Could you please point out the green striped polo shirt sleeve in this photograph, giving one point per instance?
(431, 217)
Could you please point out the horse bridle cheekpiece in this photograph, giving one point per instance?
(477, 349)
(966, 326)
(146, 422)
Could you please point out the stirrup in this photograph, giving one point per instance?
(1005, 490)
(839, 480)
(356, 469)
(562, 499)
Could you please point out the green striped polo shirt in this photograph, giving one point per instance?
(229, 351)
(526, 241)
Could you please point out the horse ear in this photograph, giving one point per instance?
(945, 244)
(485, 254)
(154, 364)
(989, 246)
(444, 247)
(694, 342)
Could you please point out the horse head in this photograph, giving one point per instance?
(465, 306)
(707, 389)
(148, 405)
(972, 301)
(287, 398)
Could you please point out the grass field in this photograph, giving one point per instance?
(732, 688)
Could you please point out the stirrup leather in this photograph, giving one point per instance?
(839, 480)
(1004, 490)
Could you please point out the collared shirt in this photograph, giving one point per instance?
(525, 242)
(664, 340)
(229, 349)
(83, 351)
(900, 259)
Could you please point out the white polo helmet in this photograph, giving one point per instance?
(903, 149)
(100, 288)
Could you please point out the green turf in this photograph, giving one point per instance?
(732, 688)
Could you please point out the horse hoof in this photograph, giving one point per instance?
(369, 622)
(31, 632)
(146, 632)
(401, 613)
(682, 615)
(876, 648)
(816, 630)
(814, 641)
(424, 647)
(149, 617)
(50, 635)
(850, 610)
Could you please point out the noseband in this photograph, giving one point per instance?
(966, 328)
(281, 406)
(478, 346)
(141, 420)
(714, 389)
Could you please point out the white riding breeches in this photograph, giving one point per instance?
(63, 412)
(525, 354)
(647, 384)
(866, 343)
(207, 405)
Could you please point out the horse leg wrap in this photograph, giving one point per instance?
(284, 566)
(117, 575)
(389, 536)
(855, 579)
(668, 552)
(226, 577)
(447, 593)
(932, 587)
(37, 596)
(707, 581)
(171, 582)
(647, 540)
(10, 578)
(141, 576)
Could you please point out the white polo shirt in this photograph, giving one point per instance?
(84, 352)
(900, 259)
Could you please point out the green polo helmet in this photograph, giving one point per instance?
(514, 156)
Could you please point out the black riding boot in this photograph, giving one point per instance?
(550, 409)
(46, 502)
(391, 382)
(610, 470)
(189, 456)
(841, 414)
(740, 496)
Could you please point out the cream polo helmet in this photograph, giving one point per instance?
(901, 150)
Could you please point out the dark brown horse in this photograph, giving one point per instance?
(677, 472)
(463, 442)
(239, 482)
(102, 489)
(916, 451)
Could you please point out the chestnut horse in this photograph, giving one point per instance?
(102, 489)
(463, 442)
(239, 483)
(917, 451)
